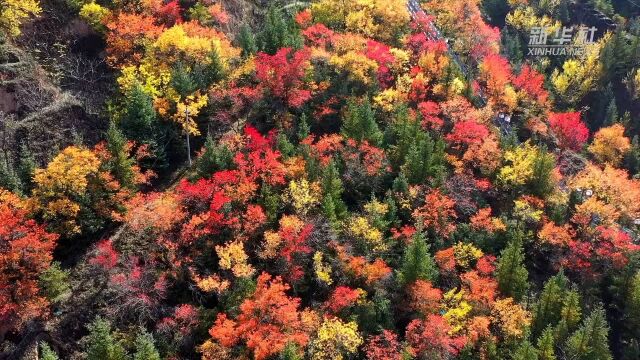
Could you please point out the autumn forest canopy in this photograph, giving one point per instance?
(322, 180)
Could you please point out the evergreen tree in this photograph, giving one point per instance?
(632, 307)
(632, 160)
(247, 41)
(569, 315)
(400, 184)
(303, 127)
(291, 352)
(425, 160)
(270, 201)
(286, 147)
(145, 348)
(611, 115)
(525, 351)
(541, 183)
(417, 262)
(209, 72)
(46, 353)
(182, 81)
(8, 180)
(139, 123)
(279, 32)
(546, 345)
(511, 273)
(26, 168)
(120, 164)
(214, 158)
(590, 341)
(139, 116)
(359, 123)
(54, 282)
(547, 309)
(332, 204)
(101, 345)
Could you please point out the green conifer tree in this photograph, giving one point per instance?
(359, 123)
(279, 31)
(101, 344)
(145, 348)
(139, 116)
(303, 127)
(611, 114)
(46, 353)
(214, 158)
(425, 160)
(417, 262)
(26, 168)
(546, 345)
(547, 309)
(525, 351)
(247, 41)
(120, 164)
(569, 315)
(332, 205)
(590, 341)
(8, 179)
(54, 282)
(511, 273)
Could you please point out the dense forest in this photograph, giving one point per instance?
(332, 179)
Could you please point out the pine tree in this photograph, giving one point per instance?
(541, 183)
(279, 32)
(145, 348)
(101, 345)
(611, 115)
(425, 160)
(120, 164)
(212, 71)
(632, 307)
(417, 262)
(291, 352)
(590, 341)
(46, 353)
(139, 116)
(511, 273)
(54, 282)
(303, 127)
(139, 123)
(26, 168)
(214, 158)
(546, 345)
(286, 147)
(8, 180)
(525, 351)
(569, 315)
(359, 123)
(400, 184)
(632, 160)
(549, 305)
(247, 41)
(332, 204)
(182, 81)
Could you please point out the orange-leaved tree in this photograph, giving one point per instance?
(25, 252)
(269, 320)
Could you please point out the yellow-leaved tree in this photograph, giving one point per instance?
(380, 19)
(336, 340)
(73, 193)
(14, 12)
(610, 145)
(578, 76)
